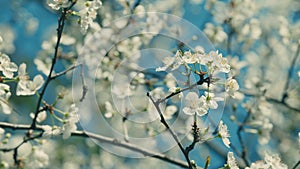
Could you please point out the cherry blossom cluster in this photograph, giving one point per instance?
(269, 162)
(25, 86)
(203, 64)
(86, 15)
(259, 39)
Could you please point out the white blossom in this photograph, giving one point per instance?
(4, 96)
(231, 86)
(231, 162)
(43, 64)
(215, 62)
(250, 30)
(40, 159)
(172, 62)
(168, 61)
(257, 165)
(224, 134)
(4, 165)
(215, 33)
(270, 162)
(26, 86)
(211, 100)
(50, 131)
(194, 104)
(4, 91)
(169, 111)
(2, 131)
(22, 74)
(32, 25)
(57, 4)
(122, 90)
(140, 11)
(41, 116)
(219, 63)
(29, 87)
(262, 123)
(190, 58)
(88, 14)
(129, 46)
(71, 118)
(110, 111)
(8, 37)
(6, 66)
(265, 131)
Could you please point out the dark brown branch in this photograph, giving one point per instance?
(104, 139)
(200, 82)
(175, 137)
(239, 134)
(61, 24)
(187, 150)
(15, 149)
(296, 165)
(196, 137)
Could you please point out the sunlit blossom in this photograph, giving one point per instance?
(231, 87)
(26, 86)
(231, 162)
(194, 104)
(224, 134)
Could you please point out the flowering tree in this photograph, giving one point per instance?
(127, 83)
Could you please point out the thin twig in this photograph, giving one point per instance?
(105, 139)
(61, 24)
(15, 149)
(239, 134)
(196, 136)
(289, 76)
(296, 165)
(200, 82)
(248, 93)
(64, 72)
(132, 147)
(164, 122)
(84, 86)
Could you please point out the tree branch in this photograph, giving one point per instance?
(282, 102)
(290, 73)
(296, 165)
(61, 24)
(65, 71)
(16, 148)
(239, 134)
(200, 82)
(164, 122)
(105, 139)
